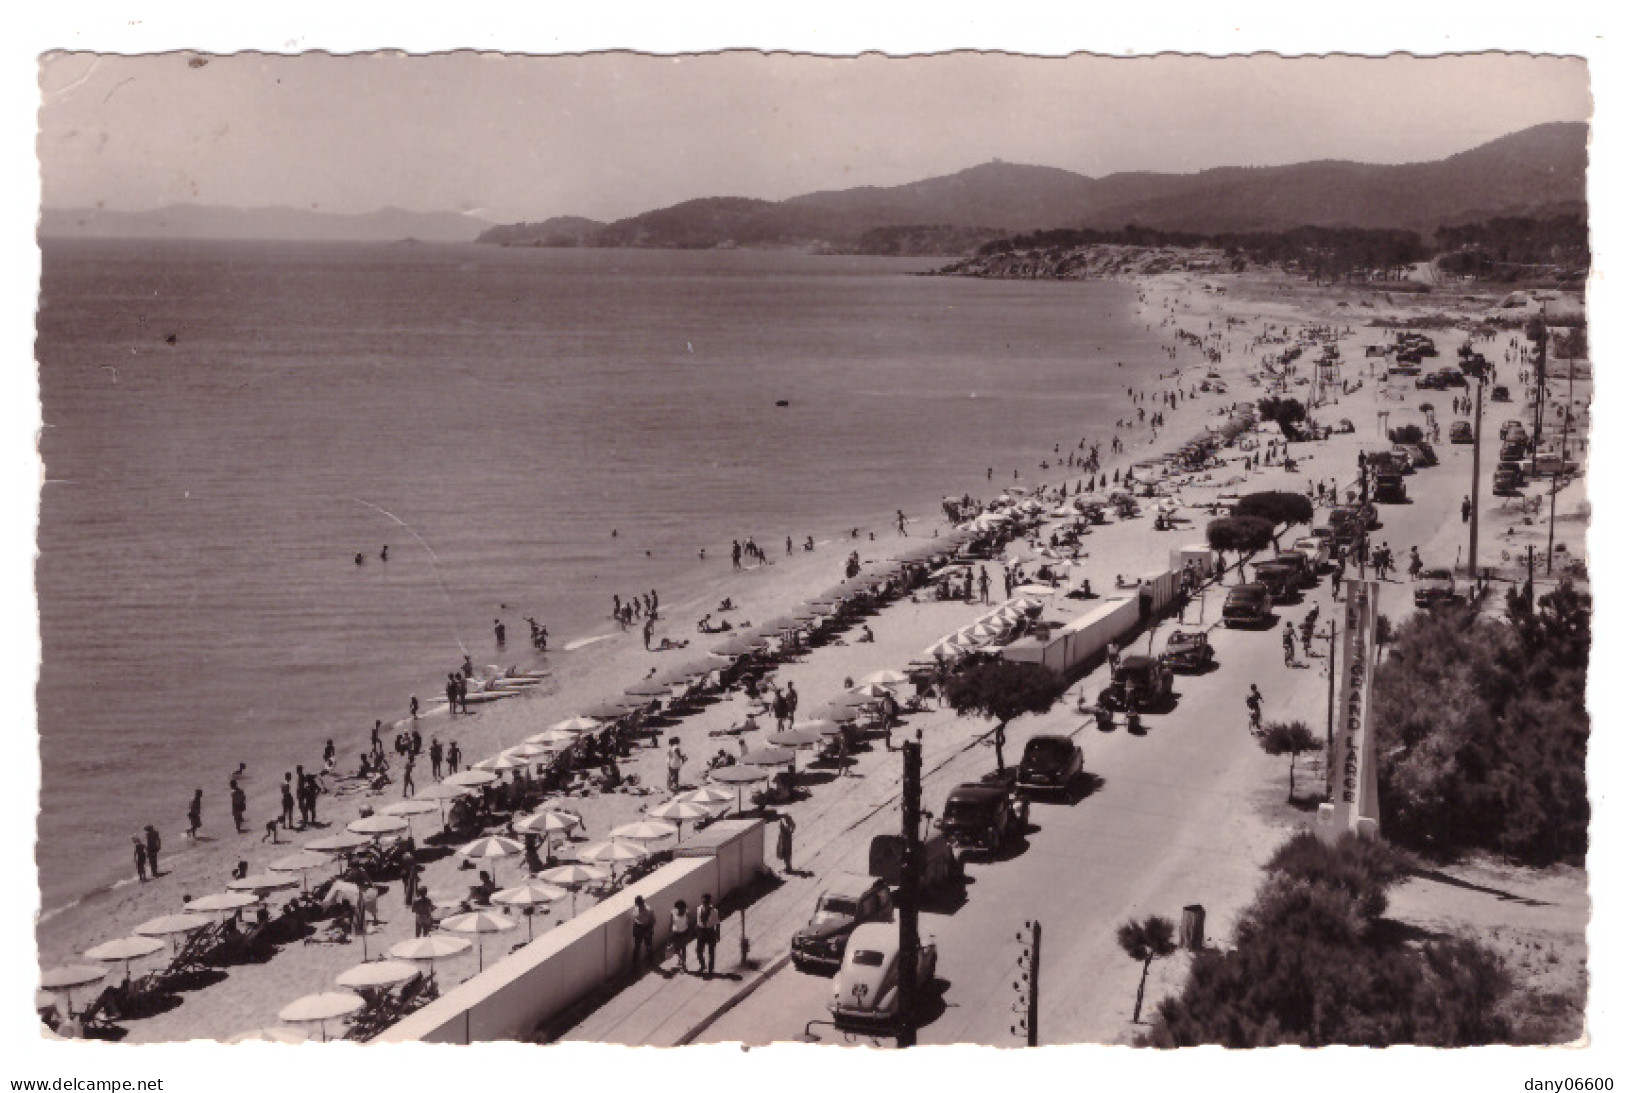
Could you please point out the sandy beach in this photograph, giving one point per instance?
(249, 995)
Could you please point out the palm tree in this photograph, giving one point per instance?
(1146, 941)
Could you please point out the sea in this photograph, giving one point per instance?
(529, 431)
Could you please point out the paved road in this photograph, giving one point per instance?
(1180, 815)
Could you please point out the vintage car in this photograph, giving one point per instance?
(1513, 430)
(1461, 432)
(1500, 394)
(866, 996)
(1280, 578)
(1188, 651)
(1138, 683)
(1308, 571)
(983, 815)
(1435, 586)
(1514, 450)
(1390, 490)
(848, 901)
(1317, 550)
(939, 865)
(1420, 454)
(1049, 764)
(1248, 605)
(1507, 483)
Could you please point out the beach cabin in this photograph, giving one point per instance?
(1081, 640)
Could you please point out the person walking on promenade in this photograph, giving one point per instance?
(454, 757)
(154, 844)
(1337, 579)
(643, 933)
(437, 755)
(194, 815)
(1416, 563)
(681, 933)
(1255, 709)
(239, 805)
(1466, 509)
(674, 764)
(787, 837)
(140, 859)
(708, 931)
(1288, 647)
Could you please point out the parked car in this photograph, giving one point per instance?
(1318, 551)
(1513, 430)
(848, 901)
(1507, 483)
(1280, 578)
(1138, 683)
(1390, 490)
(1049, 764)
(866, 996)
(1500, 394)
(939, 865)
(1188, 651)
(1435, 586)
(1247, 605)
(1461, 432)
(1513, 450)
(1308, 572)
(1420, 454)
(983, 816)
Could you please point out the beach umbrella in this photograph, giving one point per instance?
(528, 896)
(649, 688)
(643, 831)
(69, 978)
(553, 739)
(338, 843)
(947, 647)
(572, 725)
(228, 901)
(274, 1034)
(811, 612)
(547, 822)
(885, 678)
(852, 700)
(740, 646)
(479, 923)
(781, 625)
(471, 778)
(374, 974)
(740, 775)
(529, 752)
(321, 1008)
(870, 690)
(612, 851)
(165, 925)
(377, 824)
(413, 807)
(125, 949)
(678, 810)
(301, 862)
(607, 711)
(796, 738)
(832, 712)
(573, 876)
(490, 849)
(768, 757)
(500, 762)
(430, 948)
(441, 792)
(705, 795)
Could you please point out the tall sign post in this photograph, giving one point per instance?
(1353, 807)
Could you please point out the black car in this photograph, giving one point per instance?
(1049, 764)
(1188, 651)
(1500, 394)
(1138, 683)
(983, 816)
(1390, 490)
(848, 900)
(1461, 432)
(1247, 605)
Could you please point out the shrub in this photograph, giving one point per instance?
(1278, 507)
(1240, 533)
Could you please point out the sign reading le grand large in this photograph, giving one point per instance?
(1354, 784)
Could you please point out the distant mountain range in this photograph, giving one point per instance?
(218, 222)
(1538, 172)
(1535, 172)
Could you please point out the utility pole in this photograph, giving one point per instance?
(1478, 440)
(1359, 543)
(908, 899)
(1026, 987)
(1538, 334)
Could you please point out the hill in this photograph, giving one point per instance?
(274, 222)
(1521, 174)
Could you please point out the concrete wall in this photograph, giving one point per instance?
(513, 996)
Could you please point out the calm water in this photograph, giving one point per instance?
(199, 606)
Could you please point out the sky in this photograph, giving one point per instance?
(511, 137)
